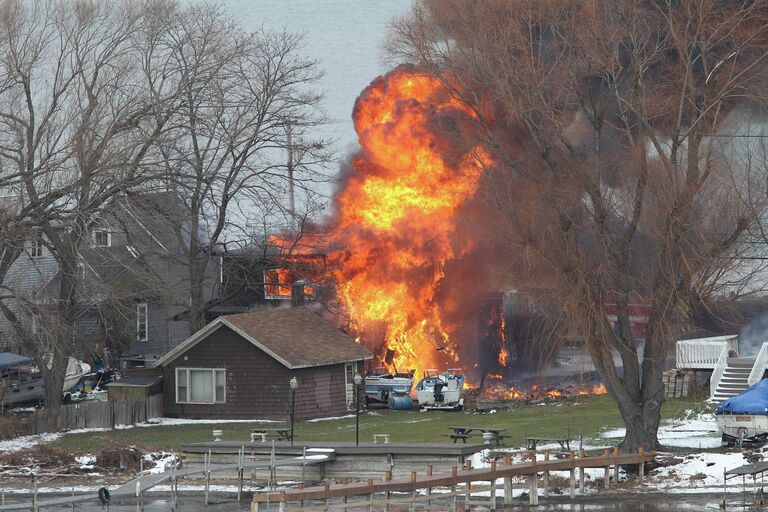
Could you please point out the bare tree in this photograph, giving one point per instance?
(606, 122)
(81, 114)
(246, 100)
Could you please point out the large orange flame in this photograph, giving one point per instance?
(397, 215)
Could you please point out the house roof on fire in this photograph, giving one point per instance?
(296, 337)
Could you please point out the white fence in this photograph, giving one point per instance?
(705, 353)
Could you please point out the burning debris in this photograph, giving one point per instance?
(495, 389)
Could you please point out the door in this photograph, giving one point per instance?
(349, 374)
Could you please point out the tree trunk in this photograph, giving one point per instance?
(642, 424)
(54, 382)
(197, 269)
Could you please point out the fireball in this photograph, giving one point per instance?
(397, 214)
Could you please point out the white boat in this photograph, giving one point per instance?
(441, 390)
(380, 385)
(76, 370)
(743, 419)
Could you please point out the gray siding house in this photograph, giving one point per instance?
(133, 286)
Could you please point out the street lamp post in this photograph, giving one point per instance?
(357, 379)
(294, 383)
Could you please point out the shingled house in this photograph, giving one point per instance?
(240, 366)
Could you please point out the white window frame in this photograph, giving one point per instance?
(97, 232)
(36, 248)
(213, 371)
(142, 311)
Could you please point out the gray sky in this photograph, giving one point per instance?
(344, 35)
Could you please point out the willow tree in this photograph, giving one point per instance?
(614, 170)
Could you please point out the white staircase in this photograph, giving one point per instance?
(731, 374)
(735, 378)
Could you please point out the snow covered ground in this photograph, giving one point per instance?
(699, 471)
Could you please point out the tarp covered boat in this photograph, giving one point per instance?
(744, 418)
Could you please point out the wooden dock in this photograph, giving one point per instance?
(379, 492)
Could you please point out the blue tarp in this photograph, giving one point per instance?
(752, 401)
(9, 360)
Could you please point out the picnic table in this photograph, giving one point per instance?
(487, 433)
(279, 433)
(533, 441)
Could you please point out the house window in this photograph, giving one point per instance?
(141, 321)
(201, 385)
(36, 247)
(102, 238)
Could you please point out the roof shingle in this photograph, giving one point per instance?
(299, 337)
(296, 337)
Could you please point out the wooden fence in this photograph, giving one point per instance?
(92, 414)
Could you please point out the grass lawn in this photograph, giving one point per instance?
(592, 415)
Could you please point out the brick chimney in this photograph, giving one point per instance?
(297, 293)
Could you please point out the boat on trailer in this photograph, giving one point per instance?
(381, 385)
(23, 383)
(441, 391)
(743, 419)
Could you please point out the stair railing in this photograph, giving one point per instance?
(717, 372)
(761, 363)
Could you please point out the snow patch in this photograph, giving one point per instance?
(24, 442)
(333, 418)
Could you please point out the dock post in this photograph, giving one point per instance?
(34, 492)
(546, 476)
(616, 466)
(573, 477)
(138, 495)
(413, 493)
(453, 489)
(533, 493)
(327, 489)
(581, 473)
(429, 489)
(207, 476)
(370, 496)
(468, 493)
(240, 471)
(386, 501)
(493, 485)
(507, 490)
(641, 466)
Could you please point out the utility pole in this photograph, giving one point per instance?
(291, 194)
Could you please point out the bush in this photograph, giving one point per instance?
(122, 458)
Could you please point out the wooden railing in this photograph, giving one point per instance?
(379, 492)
